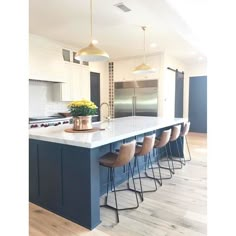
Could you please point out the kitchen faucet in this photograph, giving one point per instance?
(108, 117)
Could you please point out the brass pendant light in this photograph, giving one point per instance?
(91, 53)
(143, 68)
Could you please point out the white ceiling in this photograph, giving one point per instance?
(119, 33)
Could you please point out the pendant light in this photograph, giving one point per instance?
(91, 53)
(143, 68)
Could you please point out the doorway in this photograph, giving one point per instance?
(179, 86)
(95, 92)
(198, 104)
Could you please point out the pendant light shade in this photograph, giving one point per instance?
(143, 68)
(91, 53)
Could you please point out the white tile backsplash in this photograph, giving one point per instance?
(41, 99)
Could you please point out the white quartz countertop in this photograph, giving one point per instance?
(115, 130)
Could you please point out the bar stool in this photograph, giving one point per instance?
(161, 144)
(144, 149)
(184, 134)
(173, 139)
(112, 160)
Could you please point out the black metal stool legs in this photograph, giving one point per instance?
(108, 181)
(190, 158)
(159, 166)
(136, 163)
(111, 179)
(113, 183)
(168, 159)
(141, 191)
(182, 159)
(159, 180)
(173, 159)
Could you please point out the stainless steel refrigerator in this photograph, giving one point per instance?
(136, 98)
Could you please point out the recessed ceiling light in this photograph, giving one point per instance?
(94, 41)
(153, 45)
(200, 58)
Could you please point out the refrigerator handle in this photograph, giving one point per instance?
(134, 105)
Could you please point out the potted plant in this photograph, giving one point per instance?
(82, 112)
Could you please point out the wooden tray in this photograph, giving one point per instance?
(70, 130)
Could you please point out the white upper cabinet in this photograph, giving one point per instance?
(84, 85)
(77, 85)
(45, 60)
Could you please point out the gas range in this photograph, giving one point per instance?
(46, 121)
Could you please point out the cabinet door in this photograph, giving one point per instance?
(84, 84)
(80, 85)
(75, 82)
(78, 82)
(45, 63)
(65, 88)
(33, 172)
(50, 190)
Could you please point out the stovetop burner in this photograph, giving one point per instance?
(46, 121)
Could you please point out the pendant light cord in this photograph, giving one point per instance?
(91, 22)
(144, 45)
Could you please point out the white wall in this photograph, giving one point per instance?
(198, 69)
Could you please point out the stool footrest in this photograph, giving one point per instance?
(180, 161)
(159, 180)
(148, 177)
(119, 209)
(144, 191)
(166, 168)
(119, 190)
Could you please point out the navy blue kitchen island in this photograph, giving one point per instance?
(64, 172)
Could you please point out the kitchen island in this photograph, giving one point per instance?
(64, 172)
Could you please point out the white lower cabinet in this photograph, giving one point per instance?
(77, 85)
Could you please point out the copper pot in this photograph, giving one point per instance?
(82, 122)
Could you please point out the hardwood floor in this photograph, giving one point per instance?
(177, 208)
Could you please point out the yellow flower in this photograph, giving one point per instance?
(82, 107)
